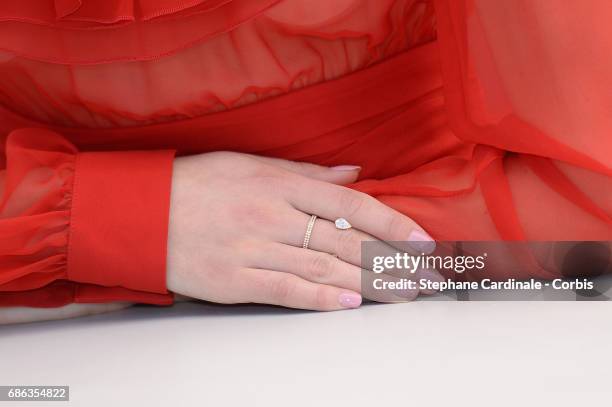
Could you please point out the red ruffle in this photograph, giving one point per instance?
(113, 11)
(270, 54)
(95, 32)
(63, 13)
(35, 209)
(90, 32)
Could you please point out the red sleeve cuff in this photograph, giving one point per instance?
(119, 219)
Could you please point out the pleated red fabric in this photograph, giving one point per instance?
(480, 120)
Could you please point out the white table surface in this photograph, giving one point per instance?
(421, 353)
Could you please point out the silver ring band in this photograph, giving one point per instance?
(308, 233)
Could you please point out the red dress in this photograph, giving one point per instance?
(481, 120)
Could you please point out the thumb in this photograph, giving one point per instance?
(341, 174)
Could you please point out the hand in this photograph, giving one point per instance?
(237, 224)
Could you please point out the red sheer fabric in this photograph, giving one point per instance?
(172, 67)
(496, 130)
(521, 78)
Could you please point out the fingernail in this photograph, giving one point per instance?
(346, 168)
(349, 300)
(421, 242)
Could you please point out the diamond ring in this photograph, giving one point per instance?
(342, 224)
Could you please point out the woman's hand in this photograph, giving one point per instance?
(237, 224)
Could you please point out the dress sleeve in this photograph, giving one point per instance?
(81, 227)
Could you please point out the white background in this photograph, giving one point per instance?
(422, 353)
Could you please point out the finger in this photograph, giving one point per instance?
(325, 237)
(323, 268)
(288, 290)
(341, 174)
(362, 211)
(346, 244)
(314, 266)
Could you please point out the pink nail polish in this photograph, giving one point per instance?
(346, 168)
(421, 242)
(349, 300)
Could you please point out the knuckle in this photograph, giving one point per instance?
(397, 227)
(281, 289)
(349, 245)
(352, 202)
(321, 267)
